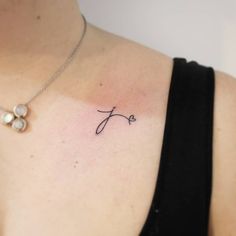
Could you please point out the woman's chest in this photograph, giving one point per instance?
(79, 171)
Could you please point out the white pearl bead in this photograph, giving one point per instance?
(7, 118)
(20, 110)
(19, 124)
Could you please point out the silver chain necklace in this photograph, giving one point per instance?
(16, 118)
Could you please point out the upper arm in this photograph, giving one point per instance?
(223, 200)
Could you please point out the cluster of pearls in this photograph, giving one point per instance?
(16, 119)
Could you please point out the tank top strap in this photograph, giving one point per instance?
(181, 201)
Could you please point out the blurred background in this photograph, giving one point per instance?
(204, 31)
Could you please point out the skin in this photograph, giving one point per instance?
(59, 177)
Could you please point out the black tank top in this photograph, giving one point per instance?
(181, 201)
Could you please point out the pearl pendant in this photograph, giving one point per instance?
(16, 119)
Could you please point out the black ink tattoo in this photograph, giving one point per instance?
(102, 125)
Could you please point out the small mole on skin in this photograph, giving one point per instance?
(38, 17)
(63, 141)
(101, 84)
(76, 162)
(31, 156)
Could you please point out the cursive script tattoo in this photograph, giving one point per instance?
(102, 125)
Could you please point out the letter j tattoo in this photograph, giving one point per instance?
(102, 125)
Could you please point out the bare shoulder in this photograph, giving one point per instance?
(133, 73)
(223, 202)
(126, 49)
(125, 52)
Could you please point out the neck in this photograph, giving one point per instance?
(33, 25)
